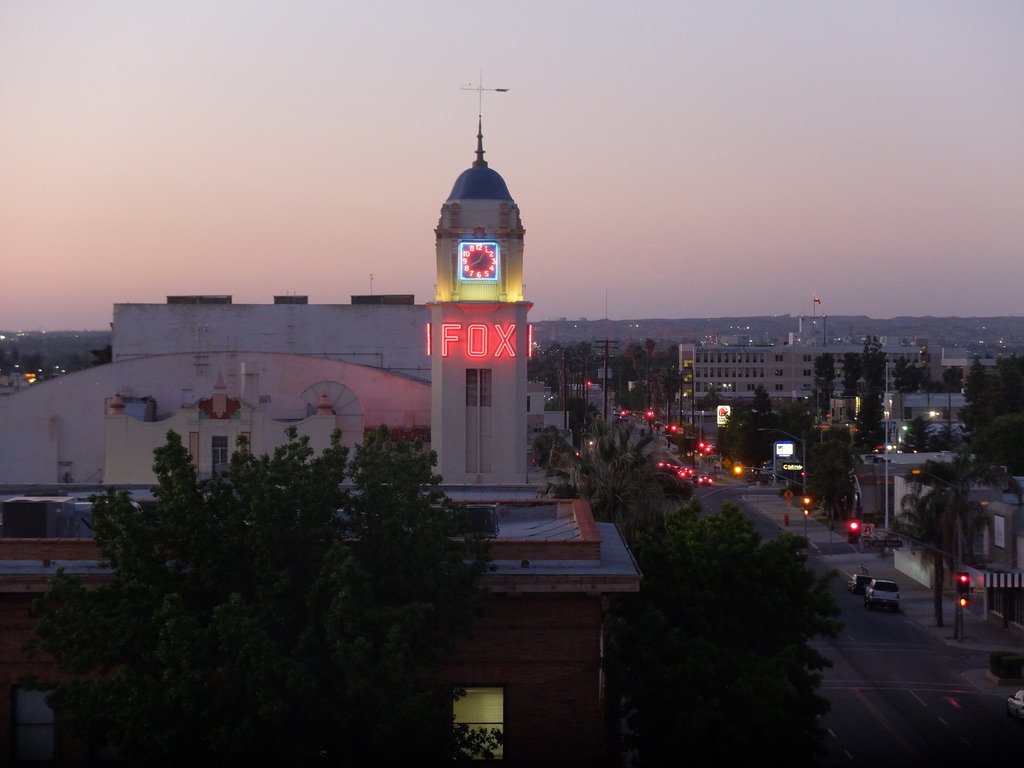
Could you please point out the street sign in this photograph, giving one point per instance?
(894, 543)
(868, 530)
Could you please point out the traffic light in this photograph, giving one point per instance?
(853, 531)
(963, 589)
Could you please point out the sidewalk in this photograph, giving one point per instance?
(916, 599)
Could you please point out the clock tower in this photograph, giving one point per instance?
(478, 335)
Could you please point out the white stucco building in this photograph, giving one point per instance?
(212, 370)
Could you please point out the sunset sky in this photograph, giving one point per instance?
(670, 159)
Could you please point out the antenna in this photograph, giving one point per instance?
(479, 88)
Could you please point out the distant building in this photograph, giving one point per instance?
(786, 372)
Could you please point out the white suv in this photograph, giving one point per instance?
(882, 592)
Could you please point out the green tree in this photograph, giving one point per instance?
(952, 380)
(269, 616)
(917, 438)
(824, 382)
(544, 443)
(748, 438)
(797, 418)
(939, 512)
(907, 377)
(615, 469)
(717, 645)
(1002, 442)
(870, 432)
(977, 412)
(831, 482)
(853, 367)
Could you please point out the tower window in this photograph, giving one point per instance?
(478, 386)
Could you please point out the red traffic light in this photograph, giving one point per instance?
(963, 585)
(853, 531)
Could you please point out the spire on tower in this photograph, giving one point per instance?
(479, 88)
(480, 162)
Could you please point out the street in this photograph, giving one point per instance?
(902, 691)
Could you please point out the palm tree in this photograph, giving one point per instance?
(615, 469)
(939, 512)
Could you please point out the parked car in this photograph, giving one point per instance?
(857, 582)
(882, 593)
(1015, 705)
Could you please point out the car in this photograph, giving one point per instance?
(703, 480)
(1015, 705)
(883, 593)
(856, 583)
(675, 467)
(674, 480)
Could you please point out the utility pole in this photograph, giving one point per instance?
(608, 343)
(887, 402)
(565, 395)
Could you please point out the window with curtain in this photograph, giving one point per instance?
(482, 708)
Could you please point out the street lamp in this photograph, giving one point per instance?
(885, 448)
(803, 452)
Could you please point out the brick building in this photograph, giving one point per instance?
(532, 668)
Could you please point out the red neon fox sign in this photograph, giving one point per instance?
(476, 340)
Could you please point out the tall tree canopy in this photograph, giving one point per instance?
(939, 512)
(716, 645)
(269, 616)
(615, 469)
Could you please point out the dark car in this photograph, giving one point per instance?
(857, 582)
(674, 480)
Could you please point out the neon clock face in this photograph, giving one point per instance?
(478, 261)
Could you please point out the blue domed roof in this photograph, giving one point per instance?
(479, 183)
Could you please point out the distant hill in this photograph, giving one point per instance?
(67, 350)
(982, 336)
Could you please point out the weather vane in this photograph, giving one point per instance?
(479, 88)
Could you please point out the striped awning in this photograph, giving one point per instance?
(1004, 579)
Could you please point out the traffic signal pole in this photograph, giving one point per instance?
(961, 584)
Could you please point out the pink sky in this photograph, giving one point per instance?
(670, 159)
